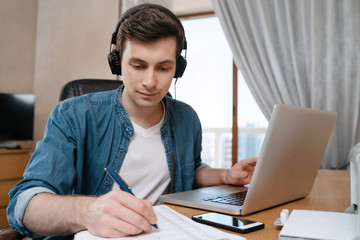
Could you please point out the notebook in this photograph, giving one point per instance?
(320, 225)
(289, 159)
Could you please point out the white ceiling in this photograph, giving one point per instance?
(179, 7)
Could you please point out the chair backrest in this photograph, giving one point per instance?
(82, 86)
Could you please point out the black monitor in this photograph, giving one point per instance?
(16, 117)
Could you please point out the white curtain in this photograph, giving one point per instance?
(303, 53)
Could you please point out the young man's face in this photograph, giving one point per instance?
(147, 71)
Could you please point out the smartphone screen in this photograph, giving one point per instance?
(228, 222)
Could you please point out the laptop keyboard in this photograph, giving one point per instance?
(232, 199)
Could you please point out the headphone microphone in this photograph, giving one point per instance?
(114, 57)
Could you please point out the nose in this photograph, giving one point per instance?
(150, 79)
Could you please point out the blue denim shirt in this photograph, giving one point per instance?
(87, 133)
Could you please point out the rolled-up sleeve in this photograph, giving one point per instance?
(24, 199)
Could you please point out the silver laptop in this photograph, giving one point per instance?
(289, 160)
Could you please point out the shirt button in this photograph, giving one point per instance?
(121, 152)
(128, 129)
(106, 183)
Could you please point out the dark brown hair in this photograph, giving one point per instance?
(149, 25)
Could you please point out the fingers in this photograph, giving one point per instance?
(241, 173)
(139, 211)
(152, 218)
(244, 166)
(114, 228)
(118, 214)
(249, 162)
(134, 213)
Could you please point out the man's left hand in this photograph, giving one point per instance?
(241, 173)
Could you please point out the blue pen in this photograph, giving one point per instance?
(122, 184)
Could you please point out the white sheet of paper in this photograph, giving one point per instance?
(172, 225)
(306, 224)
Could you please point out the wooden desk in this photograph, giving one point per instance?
(331, 192)
(12, 166)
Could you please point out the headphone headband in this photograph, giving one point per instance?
(137, 8)
(114, 58)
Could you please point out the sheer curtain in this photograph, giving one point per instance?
(303, 53)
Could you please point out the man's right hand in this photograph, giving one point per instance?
(118, 214)
(115, 214)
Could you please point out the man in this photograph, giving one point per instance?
(152, 139)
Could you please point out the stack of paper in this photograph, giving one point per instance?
(174, 226)
(305, 224)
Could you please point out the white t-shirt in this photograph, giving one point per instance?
(145, 167)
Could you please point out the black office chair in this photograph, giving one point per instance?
(82, 86)
(71, 89)
(10, 234)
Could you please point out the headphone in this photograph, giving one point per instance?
(114, 57)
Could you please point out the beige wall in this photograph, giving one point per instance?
(73, 39)
(17, 45)
(50, 42)
(47, 43)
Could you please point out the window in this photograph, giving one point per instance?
(207, 86)
(251, 122)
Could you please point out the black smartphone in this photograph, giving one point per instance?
(228, 222)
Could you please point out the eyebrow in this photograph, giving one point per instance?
(135, 59)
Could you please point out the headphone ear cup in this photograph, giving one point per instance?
(114, 62)
(180, 66)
